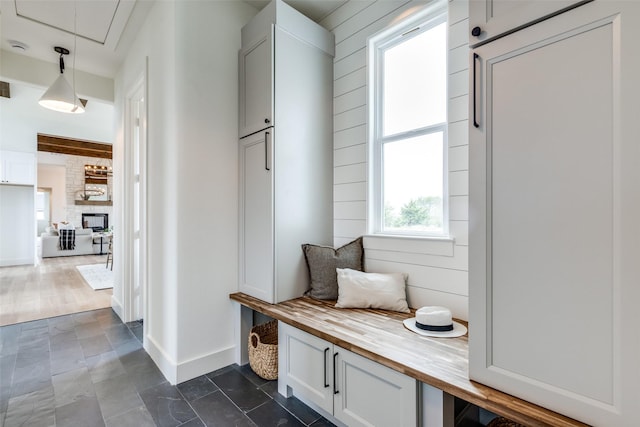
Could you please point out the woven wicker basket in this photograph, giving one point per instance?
(263, 350)
(503, 422)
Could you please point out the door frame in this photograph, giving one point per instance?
(130, 312)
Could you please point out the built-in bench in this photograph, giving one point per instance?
(380, 336)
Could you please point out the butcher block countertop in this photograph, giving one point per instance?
(379, 335)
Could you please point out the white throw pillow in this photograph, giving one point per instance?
(357, 289)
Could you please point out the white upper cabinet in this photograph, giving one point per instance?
(259, 63)
(256, 85)
(489, 19)
(554, 214)
(17, 168)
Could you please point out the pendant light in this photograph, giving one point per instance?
(61, 96)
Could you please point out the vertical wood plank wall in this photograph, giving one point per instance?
(438, 272)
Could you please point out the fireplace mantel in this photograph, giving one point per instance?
(95, 202)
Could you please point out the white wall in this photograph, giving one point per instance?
(191, 49)
(208, 34)
(54, 177)
(155, 45)
(22, 118)
(438, 271)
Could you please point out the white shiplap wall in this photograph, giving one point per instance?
(438, 271)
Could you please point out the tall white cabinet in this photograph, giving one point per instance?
(285, 125)
(555, 213)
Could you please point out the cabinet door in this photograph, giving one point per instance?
(496, 17)
(308, 368)
(17, 167)
(256, 86)
(256, 216)
(550, 277)
(369, 394)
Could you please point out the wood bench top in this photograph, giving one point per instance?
(379, 335)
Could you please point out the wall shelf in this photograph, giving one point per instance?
(94, 202)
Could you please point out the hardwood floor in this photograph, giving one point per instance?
(52, 288)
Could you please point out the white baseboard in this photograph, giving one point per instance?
(16, 261)
(184, 371)
(204, 364)
(162, 360)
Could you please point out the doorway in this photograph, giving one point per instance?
(43, 209)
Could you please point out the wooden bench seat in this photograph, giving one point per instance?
(379, 335)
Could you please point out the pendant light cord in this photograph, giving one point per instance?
(75, 52)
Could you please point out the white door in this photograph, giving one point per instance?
(138, 151)
(553, 290)
(369, 394)
(256, 86)
(307, 366)
(133, 233)
(491, 18)
(256, 216)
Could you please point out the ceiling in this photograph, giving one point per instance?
(105, 28)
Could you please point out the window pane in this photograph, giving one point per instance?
(413, 184)
(415, 82)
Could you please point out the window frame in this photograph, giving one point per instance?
(416, 24)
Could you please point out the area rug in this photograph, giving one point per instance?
(96, 275)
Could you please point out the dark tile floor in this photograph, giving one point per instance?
(89, 369)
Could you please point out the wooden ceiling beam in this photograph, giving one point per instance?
(74, 147)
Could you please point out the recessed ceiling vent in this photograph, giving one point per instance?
(16, 45)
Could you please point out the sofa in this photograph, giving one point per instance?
(84, 244)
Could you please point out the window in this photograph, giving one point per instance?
(408, 133)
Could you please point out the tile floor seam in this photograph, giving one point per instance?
(194, 409)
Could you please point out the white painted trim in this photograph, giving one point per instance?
(177, 373)
(127, 233)
(16, 261)
(167, 366)
(209, 362)
(428, 245)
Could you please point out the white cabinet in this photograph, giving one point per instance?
(286, 175)
(354, 389)
(17, 168)
(256, 85)
(554, 208)
(256, 203)
(489, 19)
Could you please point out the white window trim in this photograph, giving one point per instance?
(430, 16)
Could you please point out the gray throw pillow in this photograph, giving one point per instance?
(322, 262)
